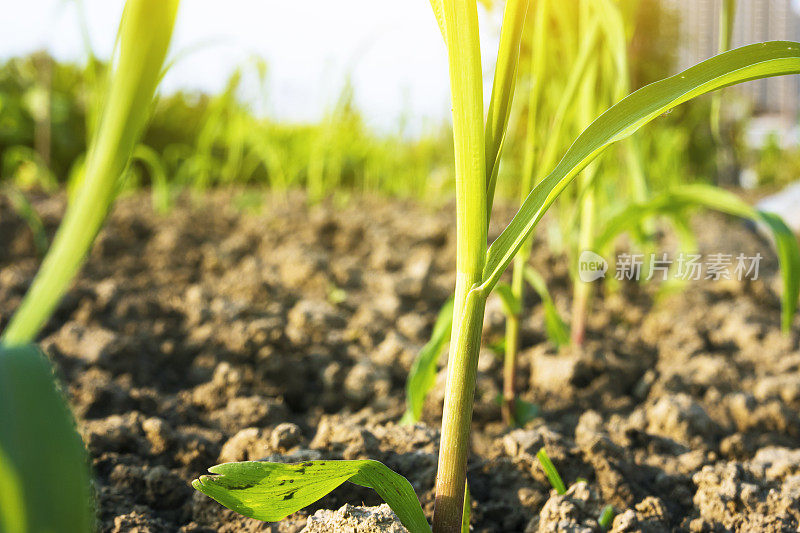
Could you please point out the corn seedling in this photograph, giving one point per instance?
(606, 515)
(479, 267)
(597, 78)
(44, 484)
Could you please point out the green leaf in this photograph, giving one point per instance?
(144, 36)
(789, 259)
(606, 517)
(511, 304)
(465, 516)
(557, 330)
(623, 119)
(44, 475)
(422, 376)
(550, 471)
(524, 411)
(13, 518)
(505, 81)
(24, 209)
(710, 197)
(272, 491)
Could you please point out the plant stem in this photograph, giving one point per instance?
(457, 417)
(461, 19)
(587, 104)
(512, 343)
(537, 61)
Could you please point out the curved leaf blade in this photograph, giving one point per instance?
(422, 376)
(557, 330)
(272, 491)
(626, 117)
(711, 197)
(789, 259)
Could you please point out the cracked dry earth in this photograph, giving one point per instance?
(213, 334)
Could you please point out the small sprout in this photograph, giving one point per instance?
(336, 295)
(422, 376)
(524, 411)
(606, 517)
(551, 472)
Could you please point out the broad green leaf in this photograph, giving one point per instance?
(556, 328)
(710, 197)
(550, 471)
(422, 376)
(272, 491)
(44, 474)
(623, 119)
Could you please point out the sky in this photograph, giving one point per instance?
(391, 50)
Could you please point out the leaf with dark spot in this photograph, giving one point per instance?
(261, 490)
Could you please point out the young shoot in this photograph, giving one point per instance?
(44, 479)
(478, 267)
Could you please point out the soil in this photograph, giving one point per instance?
(228, 330)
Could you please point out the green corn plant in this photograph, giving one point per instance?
(130, 93)
(479, 267)
(45, 479)
(600, 52)
(606, 514)
(675, 203)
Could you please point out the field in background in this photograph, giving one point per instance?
(196, 141)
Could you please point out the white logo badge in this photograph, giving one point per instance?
(591, 266)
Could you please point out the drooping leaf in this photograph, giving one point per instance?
(710, 197)
(44, 473)
(557, 330)
(623, 119)
(422, 376)
(272, 491)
